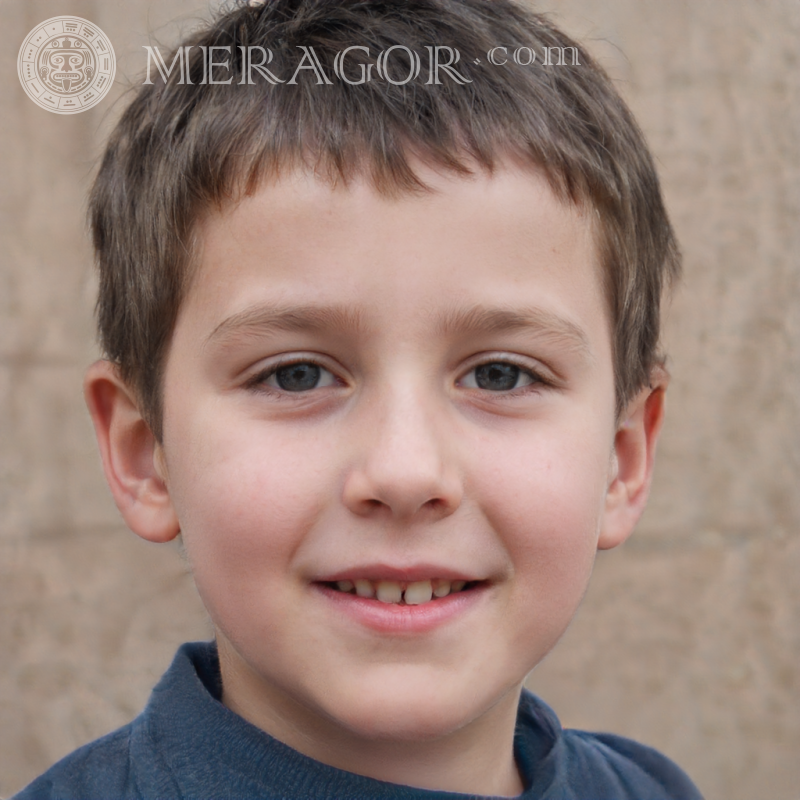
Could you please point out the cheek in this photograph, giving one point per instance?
(245, 504)
(544, 496)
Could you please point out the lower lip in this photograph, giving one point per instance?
(397, 618)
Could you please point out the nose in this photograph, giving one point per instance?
(404, 464)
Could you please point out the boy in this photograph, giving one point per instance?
(381, 328)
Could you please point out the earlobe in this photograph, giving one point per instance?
(133, 461)
(632, 464)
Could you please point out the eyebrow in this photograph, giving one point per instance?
(265, 319)
(555, 328)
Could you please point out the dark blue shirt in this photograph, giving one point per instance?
(186, 744)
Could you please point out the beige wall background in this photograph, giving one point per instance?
(689, 638)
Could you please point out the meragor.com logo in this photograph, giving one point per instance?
(66, 65)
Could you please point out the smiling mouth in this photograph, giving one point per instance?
(410, 593)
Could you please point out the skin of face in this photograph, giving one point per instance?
(399, 455)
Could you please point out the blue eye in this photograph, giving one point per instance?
(302, 376)
(498, 376)
(305, 376)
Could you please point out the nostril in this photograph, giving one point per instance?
(435, 503)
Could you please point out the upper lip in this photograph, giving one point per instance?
(386, 572)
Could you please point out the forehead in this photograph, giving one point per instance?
(477, 252)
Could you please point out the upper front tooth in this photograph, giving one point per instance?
(389, 592)
(442, 589)
(364, 588)
(418, 593)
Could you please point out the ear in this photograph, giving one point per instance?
(133, 461)
(632, 462)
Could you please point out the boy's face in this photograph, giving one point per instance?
(408, 390)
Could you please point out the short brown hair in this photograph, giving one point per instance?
(183, 147)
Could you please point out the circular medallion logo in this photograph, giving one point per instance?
(66, 65)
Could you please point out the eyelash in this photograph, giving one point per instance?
(259, 381)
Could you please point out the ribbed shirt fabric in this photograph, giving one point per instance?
(186, 744)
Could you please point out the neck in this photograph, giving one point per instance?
(477, 758)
